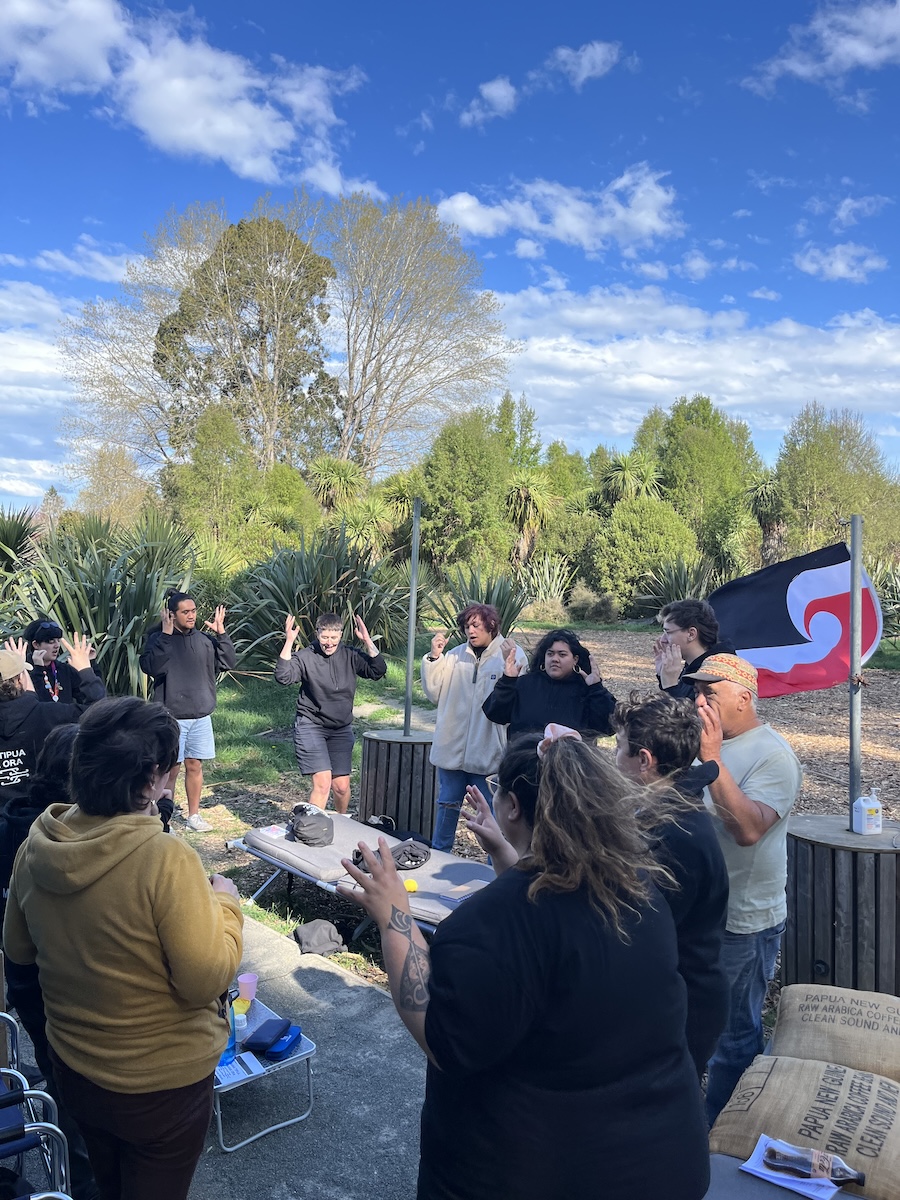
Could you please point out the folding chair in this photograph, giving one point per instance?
(19, 1129)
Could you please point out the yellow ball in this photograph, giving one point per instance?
(410, 885)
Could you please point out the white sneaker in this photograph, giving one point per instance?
(197, 824)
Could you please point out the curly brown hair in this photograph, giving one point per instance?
(590, 825)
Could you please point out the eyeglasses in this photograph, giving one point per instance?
(493, 782)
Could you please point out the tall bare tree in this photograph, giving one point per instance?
(416, 336)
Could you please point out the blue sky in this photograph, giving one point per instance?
(667, 198)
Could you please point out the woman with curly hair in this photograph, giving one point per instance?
(549, 1003)
(561, 687)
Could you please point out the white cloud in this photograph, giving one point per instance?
(767, 183)
(851, 209)
(593, 363)
(161, 75)
(727, 299)
(737, 264)
(847, 262)
(764, 293)
(497, 98)
(528, 248)
(840, 39)
(741, 213)
(590, 61)
(652, 270)
(635, 209)
(695, 265)
(87, 259)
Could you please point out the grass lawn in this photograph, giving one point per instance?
(887, 656)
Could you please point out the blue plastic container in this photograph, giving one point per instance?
(228, 1054)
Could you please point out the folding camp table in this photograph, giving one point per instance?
(442, 883)
(303, 1052)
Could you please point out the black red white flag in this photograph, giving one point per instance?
(792, 621)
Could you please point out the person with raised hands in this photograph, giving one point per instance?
(561, 687)
(327, 671)
(24, 721)
(58, 680)
(549, 1003)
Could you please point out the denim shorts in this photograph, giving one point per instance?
(321, 749)
(196, 739)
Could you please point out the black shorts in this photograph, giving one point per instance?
(320, 749)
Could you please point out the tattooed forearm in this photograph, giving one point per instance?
(412, 989)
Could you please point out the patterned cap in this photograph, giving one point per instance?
(728, 668)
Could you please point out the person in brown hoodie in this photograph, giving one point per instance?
(134, 945)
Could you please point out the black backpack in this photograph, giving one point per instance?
(309, 825)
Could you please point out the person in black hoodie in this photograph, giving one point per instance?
(561, 687)
(25, 722)
(183, 663)
(327, 672)
(690, 635)
(657, 740)
(57, 682)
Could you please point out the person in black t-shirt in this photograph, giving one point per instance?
(657, 740)
(549, 1004)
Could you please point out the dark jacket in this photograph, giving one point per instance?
(328, 681)
(684, 689)
(184, 666)
(80, 688)
(699, 904)
(24, 724)
(528, 703)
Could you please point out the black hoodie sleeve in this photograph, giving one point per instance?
(369, 668)
(500, 706)
(599, 709)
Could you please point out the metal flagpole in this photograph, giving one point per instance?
(413, 596)
(855, 660)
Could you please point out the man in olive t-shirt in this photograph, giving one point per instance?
(759, 781)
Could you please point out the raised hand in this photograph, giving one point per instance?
(510, 666)
(291, 630)
(217, 624)
(669, 665)
(711, 736)
(168, 619)
(359, 628)
(20, 646)
(78, 650)
(482, 822)
(438, 642)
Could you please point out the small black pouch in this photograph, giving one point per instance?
(309, 825)
(267, 1034)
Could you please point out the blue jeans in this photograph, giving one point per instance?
(451, 793)
(749, 963)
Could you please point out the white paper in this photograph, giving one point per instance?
(817, 1189)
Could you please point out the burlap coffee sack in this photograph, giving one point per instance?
(842, 1025)
(823, 1105)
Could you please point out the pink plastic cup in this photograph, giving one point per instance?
(247, 986)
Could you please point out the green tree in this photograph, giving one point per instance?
(706, 462)
(335, 481)
(529, 503)
(114, 487)
(417, 337)
(651, 433)
(640, 535)
(247, 334)
(598, 461)
(567, 472)
(829, 467)
(515, 424)
(769, 508)
(216, 490)
(629, 476)
(465, 492)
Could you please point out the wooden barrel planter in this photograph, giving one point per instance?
(843, 905)
(398, 780)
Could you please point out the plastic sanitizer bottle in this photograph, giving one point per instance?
(867, 814)
(228, 1054)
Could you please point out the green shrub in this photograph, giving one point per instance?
(470, 585)
(677, 579)
(326, 574)
(585, 605)
(108, 582)
(543, 611)
(639, 536)
(548, 579)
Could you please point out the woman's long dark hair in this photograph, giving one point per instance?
(590, 825)
(583, 659)
(50, 784)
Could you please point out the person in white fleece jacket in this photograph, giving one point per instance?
(466, 746)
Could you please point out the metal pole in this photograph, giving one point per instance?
(855, 659)
(413, 596)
